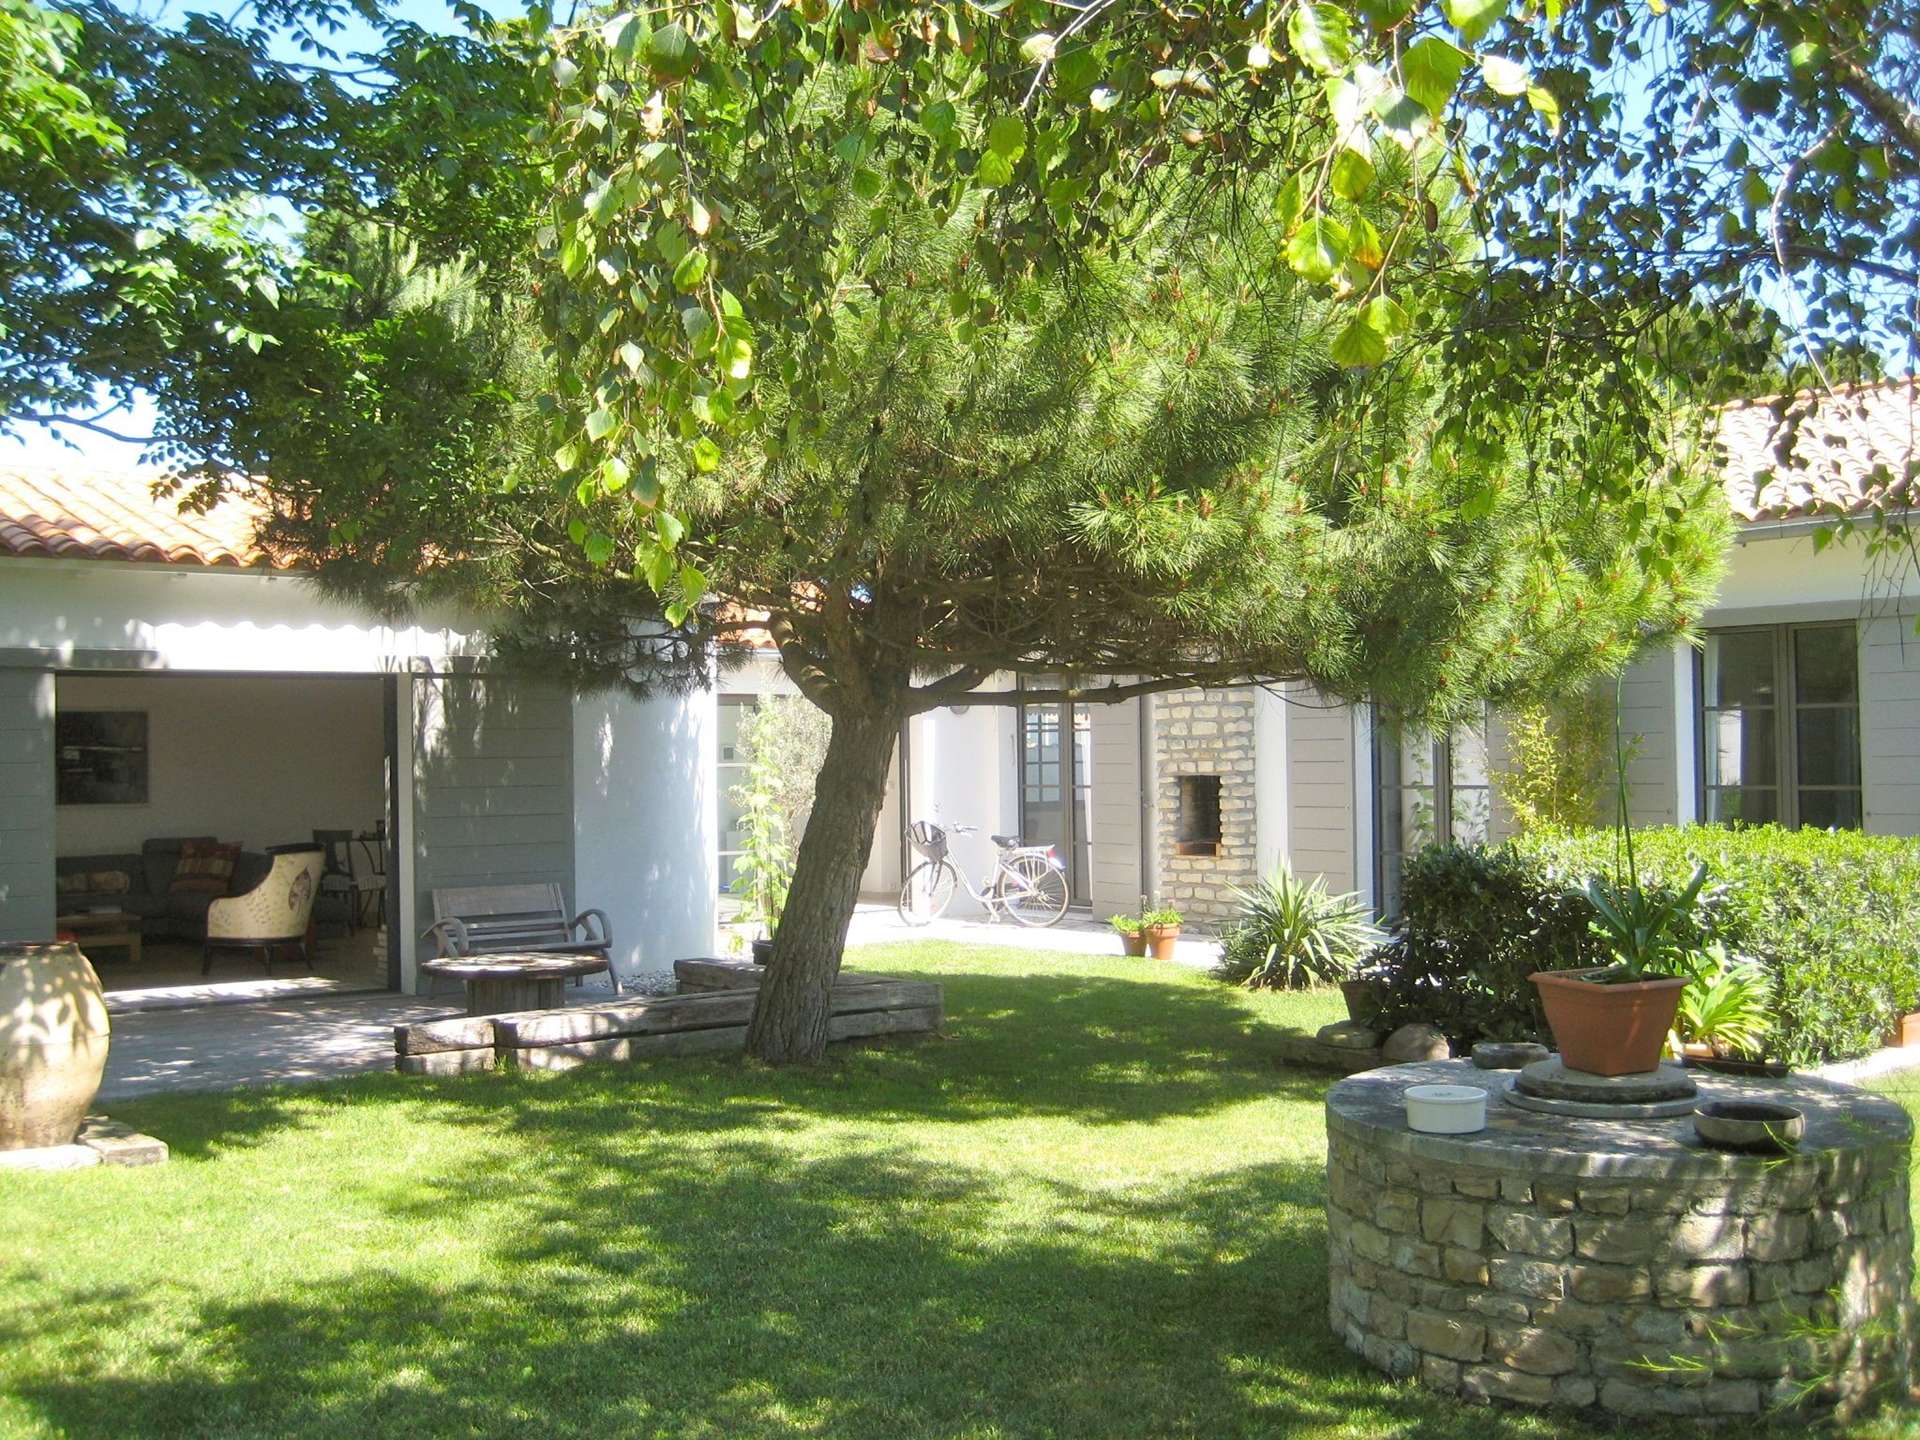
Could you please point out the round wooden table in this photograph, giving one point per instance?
(528, 980)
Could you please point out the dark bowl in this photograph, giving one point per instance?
(1759, 1125)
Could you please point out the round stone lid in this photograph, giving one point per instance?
(1371, 1108)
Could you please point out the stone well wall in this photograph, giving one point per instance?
(1205, 732)
(1553, 1261)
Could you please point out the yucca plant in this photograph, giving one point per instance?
(1292, 933)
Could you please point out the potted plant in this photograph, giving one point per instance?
(1127, 927)
(1160, 929)
(764, 870)
(1723, 1010)
(1614, 1019)
(1292, 933)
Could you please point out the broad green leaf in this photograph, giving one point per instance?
(1007, 137)
(693, 585)
(1322, 36)
(672, 242)
(1432, 69)
(672, 53)
(670, 528)
(1368, 248)
(691, 270)
(993, 169)
(1359, 344)
(1318, 249)
(613, 474)
(565, 458)
(633, 358)
(601, 423)
(659, 567)
(939, 119)
(1288, 202)
(1352, 173)
(1103, 100)
(1504, 76)
(1385, 315)
(599, 548)
(1473, 18)
(1037, 48)
(1545, 105)
(706, 454)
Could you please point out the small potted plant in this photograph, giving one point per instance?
(1614, 1019)
(1127, 927)
(1160, 929)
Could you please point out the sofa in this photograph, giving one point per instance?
(141, 884)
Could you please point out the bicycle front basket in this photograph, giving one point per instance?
(929, 839)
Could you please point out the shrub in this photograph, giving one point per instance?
(1291, 933)
(1832, 918)
(1474, 924)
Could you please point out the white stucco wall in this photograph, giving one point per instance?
(259, 760)
(966, 772)
(643, 817)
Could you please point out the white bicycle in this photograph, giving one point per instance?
(1029, 881)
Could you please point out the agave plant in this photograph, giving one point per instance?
(1649, 934)
(1290, 933)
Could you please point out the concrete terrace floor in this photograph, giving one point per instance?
(233, 1038)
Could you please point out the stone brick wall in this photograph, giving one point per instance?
(1205, 732)
(1706, 1291)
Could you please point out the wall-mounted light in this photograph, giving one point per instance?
(959, 709)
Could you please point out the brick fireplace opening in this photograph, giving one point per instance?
(1197, 816)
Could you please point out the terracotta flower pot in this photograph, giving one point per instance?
(1608, 1029)
(1160, 940)
(1132, 942)
(1906, 1031)
(53, 1043)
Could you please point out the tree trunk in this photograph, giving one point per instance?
(790, 1020)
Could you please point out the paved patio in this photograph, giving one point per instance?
(261, 1032)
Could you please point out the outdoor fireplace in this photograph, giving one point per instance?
(1197, 818)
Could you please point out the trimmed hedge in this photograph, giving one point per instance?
(1834, 917)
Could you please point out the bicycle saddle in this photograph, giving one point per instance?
(1005, 842)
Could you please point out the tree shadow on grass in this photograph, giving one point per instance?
(1094, 1049)
(732, 1292)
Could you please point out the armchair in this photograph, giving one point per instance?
(274, 914)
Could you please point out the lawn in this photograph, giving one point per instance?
(1091, 1208)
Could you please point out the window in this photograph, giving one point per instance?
(1427, 790)
(732, 773)
(1780, 726)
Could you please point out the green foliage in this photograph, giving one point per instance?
(1291, 933)
(1728, 1005)
(1166, 917)
(1559, 760)
(1474, 924)
(790, 735)
(763, 871)
(1124, 924)
(1649, 933)
(1832, 917)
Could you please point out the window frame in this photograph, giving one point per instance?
(1787, 707)
(726, 774)
(1441, 757)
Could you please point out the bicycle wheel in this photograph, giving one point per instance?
(1035, 893)
(928, 891)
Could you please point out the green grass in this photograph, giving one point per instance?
(1091, 1208)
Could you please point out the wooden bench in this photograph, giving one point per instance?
(709, 1015)
(516, 919)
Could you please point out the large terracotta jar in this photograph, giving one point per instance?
(53, 1043)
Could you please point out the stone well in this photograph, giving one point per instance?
(1549, 1260)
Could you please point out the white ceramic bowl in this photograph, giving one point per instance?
(1446, 1109)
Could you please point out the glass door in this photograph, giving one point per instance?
(1056, 783)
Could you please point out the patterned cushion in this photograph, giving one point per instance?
(73, 883)
(205, 867)
(109, 882)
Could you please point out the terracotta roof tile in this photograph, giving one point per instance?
(113, 515)
(1814, 453)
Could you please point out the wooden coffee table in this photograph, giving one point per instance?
(115, 927)
(526, 980)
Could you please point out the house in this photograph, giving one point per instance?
(1802, 707)
(162, 676)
